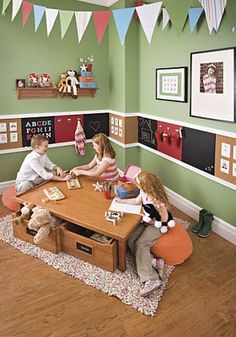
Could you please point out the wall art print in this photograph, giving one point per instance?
(213, 84)
(171, 84)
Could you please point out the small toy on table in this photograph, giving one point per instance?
(113, 216)
(98, 186)
(53, 193)
(73, 184)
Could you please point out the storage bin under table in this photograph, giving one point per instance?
(51, 243)
(103, 255)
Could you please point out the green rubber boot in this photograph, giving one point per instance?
(199, 225)
(207, 225)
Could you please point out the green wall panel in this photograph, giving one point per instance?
(24, 51)
(198, 189)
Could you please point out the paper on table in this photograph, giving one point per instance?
(127, 208)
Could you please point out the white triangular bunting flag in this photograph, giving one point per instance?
(82, 21)
(214, 10)
(51, 15)
(15, 8)
(165, 18)
(148, 15)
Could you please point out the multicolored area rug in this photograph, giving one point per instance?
(123, 285)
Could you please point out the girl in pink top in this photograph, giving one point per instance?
(103, 164)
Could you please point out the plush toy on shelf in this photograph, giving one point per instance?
(42, 221)
(71, 83)
(62, 87)
(152, 215)
(44, 80)
(33, 79)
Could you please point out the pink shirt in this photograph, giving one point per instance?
(111, 172)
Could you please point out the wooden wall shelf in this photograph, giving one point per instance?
(50, 92)
(28, 93)
(83, 92)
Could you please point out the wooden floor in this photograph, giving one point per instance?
(39, 301)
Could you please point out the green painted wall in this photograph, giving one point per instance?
(24, 51)
(126, 76)
(171, 49)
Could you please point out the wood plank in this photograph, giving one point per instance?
(37, 300)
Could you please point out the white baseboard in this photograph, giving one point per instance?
(219, 226)
(4, 185)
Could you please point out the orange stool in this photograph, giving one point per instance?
(174, 247)
(8, 200)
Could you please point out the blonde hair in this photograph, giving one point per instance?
(37, 140)
(150, 184)
(104, 144)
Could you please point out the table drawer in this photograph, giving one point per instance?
(51, 243)
(103, 255)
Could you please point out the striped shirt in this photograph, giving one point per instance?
(111, 173)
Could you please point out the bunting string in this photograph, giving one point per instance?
(147, 15)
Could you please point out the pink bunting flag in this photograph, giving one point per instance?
(26, 10)
(101, 20)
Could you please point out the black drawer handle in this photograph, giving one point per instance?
(31, 232)
(84, 248)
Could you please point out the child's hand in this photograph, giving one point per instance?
(77, 173)
(60, 172)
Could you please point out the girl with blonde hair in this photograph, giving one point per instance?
(103, 164)
(142, 239)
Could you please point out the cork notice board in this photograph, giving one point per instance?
(225, 158)
(10, 133)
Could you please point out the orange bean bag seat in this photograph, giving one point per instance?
(8, 200)
(174, 247)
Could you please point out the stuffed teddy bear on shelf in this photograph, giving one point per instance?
(71, 83)
(42, 221)
(152, 215)
(33, 79)
(44, 80)
(62, 87)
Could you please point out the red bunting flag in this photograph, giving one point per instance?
(26, 10)
(101, 20)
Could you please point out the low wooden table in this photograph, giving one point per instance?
(86, 207)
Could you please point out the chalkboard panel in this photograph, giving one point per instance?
(37, 126)
(146, 132)
(198, 149)
(96, 123)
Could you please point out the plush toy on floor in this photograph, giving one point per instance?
(42, 221)
(26, 212)
(152, 215)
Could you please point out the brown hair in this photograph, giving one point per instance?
(153, 186)
(105, 146)
(37, 140)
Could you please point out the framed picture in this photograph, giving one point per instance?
(171, 84)
(20, 83)
(213, 84)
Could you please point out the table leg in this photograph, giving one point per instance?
(122, 255)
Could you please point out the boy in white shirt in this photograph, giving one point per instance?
(37, 168)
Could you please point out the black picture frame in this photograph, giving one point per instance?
(213, 84)
(171, 84)
(20, 83)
